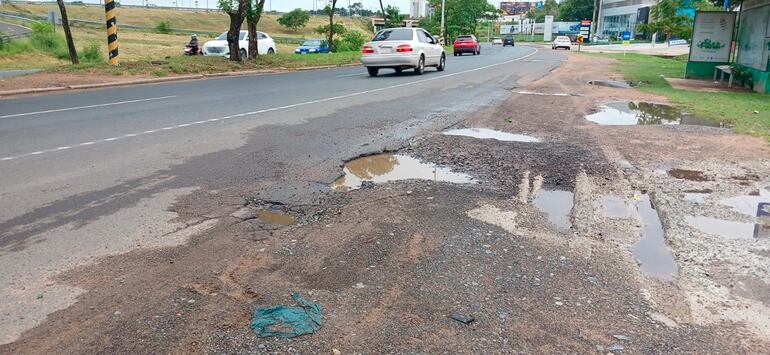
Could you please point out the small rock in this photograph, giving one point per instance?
(615, 347)
(191, 301)
(559, 303)
(600, 348)
(261, 346)
(409, 192)
(40, 297)
(359, 285)
(756, 112)
(367, 184)
(621, 337)
(116, 313)
(462, 318)
(336, 352)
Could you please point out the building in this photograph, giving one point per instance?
(753, 44)
(419, 8)
(618, 16)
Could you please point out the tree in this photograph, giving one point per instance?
(356, 8)
(663, 18)
(294, 19)
(236, 10)
(330, 11)
(576, 10)
(339, 29)
(253, 14)
(393, 17)
(67, 33)
(462, 15)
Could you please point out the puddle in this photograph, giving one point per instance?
(278, 218)
(725, 228)
(556, 204)
(486, 133)
(684, 174)
(383, 168)
(757, 205)
(652, 252)
(628, 113)
(611, 83)
(616, 207)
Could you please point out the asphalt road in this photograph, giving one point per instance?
(8, 29)
(87, 174)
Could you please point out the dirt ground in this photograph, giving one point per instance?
(390, 263)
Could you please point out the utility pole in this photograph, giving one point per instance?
(443, 21)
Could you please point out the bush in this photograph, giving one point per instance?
(350, 42)
(163, 27)
(92, 53)
(43, 38)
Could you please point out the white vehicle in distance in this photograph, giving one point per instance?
(497, 41)
(561, 42)
(403, 48)
(218, 47)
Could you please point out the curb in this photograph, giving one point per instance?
(166, 79)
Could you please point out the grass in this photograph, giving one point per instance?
(193, 20)
(735, 107)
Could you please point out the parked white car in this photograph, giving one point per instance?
(562, 42)
(497, 41)
(403, 48)
(218, 47)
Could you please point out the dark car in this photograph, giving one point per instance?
(508, 41)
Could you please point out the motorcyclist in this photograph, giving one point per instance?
(193, 45)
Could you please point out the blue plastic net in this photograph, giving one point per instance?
(288, 321)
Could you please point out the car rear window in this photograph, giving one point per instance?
(394, 34)
(464, 38)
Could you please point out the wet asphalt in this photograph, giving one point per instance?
(96, 157)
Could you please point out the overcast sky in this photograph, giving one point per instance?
(286, 5)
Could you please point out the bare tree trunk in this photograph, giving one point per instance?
(66, 24)
(234, 33)
(331, 25)
(252, 19)
(382, 8)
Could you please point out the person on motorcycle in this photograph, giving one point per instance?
(193, 44)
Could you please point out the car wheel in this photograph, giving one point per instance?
(270, 51)
(441, 63)
(569, 49)
(373, 71)
(399, 70)
(244, 54)
(455, 54)
(420, 66)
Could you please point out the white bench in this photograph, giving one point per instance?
(724, 69)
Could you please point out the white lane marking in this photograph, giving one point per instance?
(88, 106)
(63, 148)
(347, 75)
(285, 107)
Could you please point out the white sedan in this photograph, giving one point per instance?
(562, 42)
(403, 48)
(218, 47)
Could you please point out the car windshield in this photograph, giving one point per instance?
(394, 34)
(223, 36)
(312, 43)
(562, 39)
(464, 38)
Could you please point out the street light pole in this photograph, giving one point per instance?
(443, 21)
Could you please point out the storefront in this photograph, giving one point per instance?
(618, 16)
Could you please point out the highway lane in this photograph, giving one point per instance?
(109, 164)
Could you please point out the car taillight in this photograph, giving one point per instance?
(404, 48)
(457, 42)
(367, 50)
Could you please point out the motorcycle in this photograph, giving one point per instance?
(188, 50)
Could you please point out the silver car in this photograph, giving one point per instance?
(403, 48)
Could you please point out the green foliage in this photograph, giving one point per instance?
(294, 19)
(462, 15)
(163, 27)
(91, 53)
(664, 19)
(349, 42)
(576, 10)
(393, 17)
(339, 29)
(44, 39)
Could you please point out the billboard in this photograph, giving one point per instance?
(518, 7)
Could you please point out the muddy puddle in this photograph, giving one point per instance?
(486, 133)
(651, 251)
(556, 204)
(685, 174)
(382, 168)
(274, 217)
(627, 113)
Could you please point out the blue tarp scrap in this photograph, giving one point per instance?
(288, 321)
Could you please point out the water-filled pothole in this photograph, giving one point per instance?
(486, 133)
(627, 113)
(556, 204)
(727, 229)
(651, 251)
(755, 204)
(274, 217)
(619, 84)
(615, 207)
(382, 168)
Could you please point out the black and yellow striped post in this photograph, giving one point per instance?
(112, 31)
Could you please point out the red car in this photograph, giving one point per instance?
(467, 44)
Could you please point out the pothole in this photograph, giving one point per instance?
(382, 168)
(729, 229)
(628, 113)
(279, 218)
(556, 204)
(615, 207)
(486, 133)
(754, 205)
(685, 174)
(620, 84)
(651, 251)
